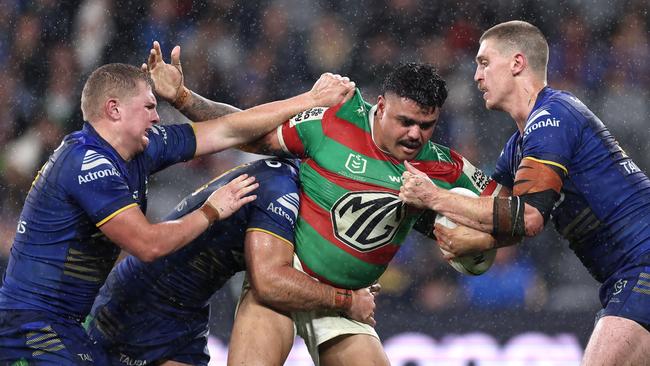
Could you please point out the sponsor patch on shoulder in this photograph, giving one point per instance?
(95, 166)
(286, 206)
(313, 114)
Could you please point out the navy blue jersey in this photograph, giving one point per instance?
(59, 258)
(604, 209)
(184, 281)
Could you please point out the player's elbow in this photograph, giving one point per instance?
(267, 285)
(148, 254)
(143, 249)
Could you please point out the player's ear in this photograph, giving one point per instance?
(111, 108)
(519, 63)
(381, 104)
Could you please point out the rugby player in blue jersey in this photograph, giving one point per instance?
(562, 164)
(153, 313)
(91, 194)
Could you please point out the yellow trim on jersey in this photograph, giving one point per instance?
(270, 233)
(566, 171)
(115, 214)
(201, 188)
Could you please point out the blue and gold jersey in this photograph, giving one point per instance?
(59, 258)
(604, 209)
(184, 281)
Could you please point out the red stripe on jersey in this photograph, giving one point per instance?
(321, 221)
(354, 138)
(347, 183)
(442, 170)
(489, 190)
(292, 140)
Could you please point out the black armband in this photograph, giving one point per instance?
(542, 201)
(508, 216)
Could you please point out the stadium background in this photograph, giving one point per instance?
(246, 53)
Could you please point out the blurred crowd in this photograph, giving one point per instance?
(246, 53)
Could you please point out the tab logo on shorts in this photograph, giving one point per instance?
(92, 160)
(619, 286)
(367, 220)
(289, 202)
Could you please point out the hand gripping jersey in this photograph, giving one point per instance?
(351, 221)
(185, 280)
(159, 310)
(604, 209)
(59, 257)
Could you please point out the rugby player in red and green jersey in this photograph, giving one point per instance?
(351, 221)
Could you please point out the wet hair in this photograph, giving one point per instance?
(517, 35)
(110, 81)
(418, 82)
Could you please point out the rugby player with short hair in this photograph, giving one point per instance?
(92, 194)
(351, 222)
(562, 164)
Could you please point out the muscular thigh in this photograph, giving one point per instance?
(353, 350)
(618, 341)
(260, 335)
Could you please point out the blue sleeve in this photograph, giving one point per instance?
(276, 207)
(169, 145)
(96, 185)
(551, 135)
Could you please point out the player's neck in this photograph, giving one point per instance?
(524, 102)
(373, 129)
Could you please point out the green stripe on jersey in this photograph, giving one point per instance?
(356, 111)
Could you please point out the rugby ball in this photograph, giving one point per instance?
(475, 264)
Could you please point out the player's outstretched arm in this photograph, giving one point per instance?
(249, 125)
(277, 284)
(133, 232)
(235, 129)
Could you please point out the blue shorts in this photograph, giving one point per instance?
(41, 338)
(627, 293)
(150, 336)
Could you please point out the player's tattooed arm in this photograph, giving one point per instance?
(268, 144)
(198, 108)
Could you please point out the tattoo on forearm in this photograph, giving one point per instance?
(202, 109)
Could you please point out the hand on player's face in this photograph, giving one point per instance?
(168, 78)
(231, 197)
(331, 89)
(417, 188)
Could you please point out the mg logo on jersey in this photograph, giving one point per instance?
(356, 164)
(367, 220)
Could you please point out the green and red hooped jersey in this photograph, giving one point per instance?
(351, 221)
